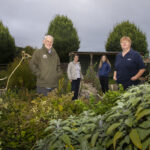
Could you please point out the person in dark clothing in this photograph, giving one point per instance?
(129, 65)
(103, 72)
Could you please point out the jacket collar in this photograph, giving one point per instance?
(75, 63)
(45, 49)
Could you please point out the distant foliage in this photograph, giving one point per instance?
(28, 49)
(65, 36)
(7, 45)
(92, 76)
(126, 28)
(22, 77)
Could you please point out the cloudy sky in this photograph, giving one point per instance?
(28, 20)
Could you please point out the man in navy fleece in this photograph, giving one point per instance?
(129, 65)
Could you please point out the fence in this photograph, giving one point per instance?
(3, 66)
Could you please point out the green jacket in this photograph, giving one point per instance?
(46, 66)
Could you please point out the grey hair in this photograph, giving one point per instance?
(49, 36)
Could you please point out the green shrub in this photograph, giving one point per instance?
(7, 45)
(1, 102)
(126, 126)
(92, 77)
(24, 119)
(25, 116)
(148, 78)
(108, 101)
(18, 128)
(70, 134)
(3, 74)
(22, 77)
(64, 85)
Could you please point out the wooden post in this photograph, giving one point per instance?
(91, 59)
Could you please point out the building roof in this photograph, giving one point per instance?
(94, 53)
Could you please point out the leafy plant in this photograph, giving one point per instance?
(91, 76)
(1, 102)
(64, 85)
(130, 118)
(148, 78)
(105, 103)
(126, 126)
(70, 134)
(22, 78)
(18, 128)
(25, 119)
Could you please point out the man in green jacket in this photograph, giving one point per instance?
(45, 64)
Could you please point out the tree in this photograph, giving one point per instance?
(65, 36)
(7, 45)
(126, 28)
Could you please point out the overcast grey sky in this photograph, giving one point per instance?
(28, 20)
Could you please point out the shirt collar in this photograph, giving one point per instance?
(76, 63)
(129, 52)
(48, 51)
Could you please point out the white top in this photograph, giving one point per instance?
(78, 70)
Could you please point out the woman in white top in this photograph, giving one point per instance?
(75, 75)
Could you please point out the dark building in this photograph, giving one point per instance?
(93, 58)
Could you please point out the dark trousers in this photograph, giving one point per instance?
(44, 91)
(104, 83)
(75, 85)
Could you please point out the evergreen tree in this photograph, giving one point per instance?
(65, 36)
(7, 45)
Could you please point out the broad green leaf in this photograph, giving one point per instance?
(84, 145)
(146, 144)
(143, 133)
(117, 136)
(139, 109)
(142, 114)
(129, 147)
(134, 101)
(135, 138)
(135, 148)
(111, 117)
(129, 122)
(148, 117)
(94, 138)
(145, 124)
(65, 138)
(109, 143)
(126, 95)
(125, 140)
(87, 136)
(112, 127)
